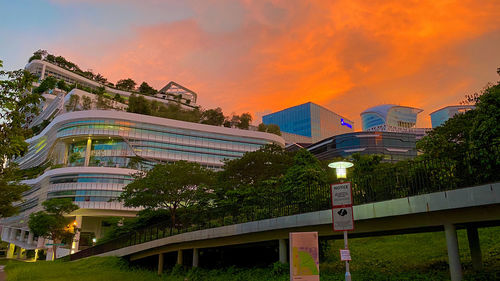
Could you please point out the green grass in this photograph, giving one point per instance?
(420, 256)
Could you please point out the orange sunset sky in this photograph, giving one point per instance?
(264, 56)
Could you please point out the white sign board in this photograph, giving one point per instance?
(341, 194)
(304, 256)
(343, 219)
(345, 255)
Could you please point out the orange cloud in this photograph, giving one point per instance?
(263, 56)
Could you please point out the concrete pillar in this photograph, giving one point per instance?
(66, 152)
(196, 257)
(453, 255)
(43, 73)
(475, 248)
(87, 152)
(22, 237)
(179, 257)
(10, 251)
(13, 234)
(30, 238)
(160, 264)
(76, 240)
(282, 251)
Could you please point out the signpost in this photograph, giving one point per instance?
(343, 218)
(304, 256)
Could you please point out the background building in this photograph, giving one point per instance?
(309, 120)
(392, 146)
(441, 115)
(392, 118)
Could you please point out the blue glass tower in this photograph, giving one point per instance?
(309, 120)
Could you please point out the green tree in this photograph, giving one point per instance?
(167, 186)
(52, 223)
(126, 84)
(306, 172)
(11, 191)
(101, 79)
(86, 103)
(270, 128)
(244, 121)
(47, 84)
(213, 117)
(73, 103)
(139, 104)
(17, 102)
(145, 89)
(484, 135)
(245, 181)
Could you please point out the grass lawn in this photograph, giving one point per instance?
(404, 257)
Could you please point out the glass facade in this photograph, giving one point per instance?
(293, 120)
(392, 146)
(309, 120)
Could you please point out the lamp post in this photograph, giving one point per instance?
(341, 172)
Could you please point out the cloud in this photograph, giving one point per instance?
(262, 56)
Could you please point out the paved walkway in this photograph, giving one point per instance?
(3, 276)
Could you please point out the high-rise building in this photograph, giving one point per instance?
(87, 147)
(392, 118)
(441, 115)
(309, 120)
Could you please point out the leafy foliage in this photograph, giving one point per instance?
(270, 128)
(213, 117)
(167, 186)
(126, 84)
(52, 224)
(17, 103)
(145, 89)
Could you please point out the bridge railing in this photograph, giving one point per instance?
(409, 179)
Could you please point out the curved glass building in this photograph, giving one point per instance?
(89, 156)
(392, 118)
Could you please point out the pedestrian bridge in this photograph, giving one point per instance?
(469, 208)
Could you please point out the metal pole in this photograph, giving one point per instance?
(347, 273)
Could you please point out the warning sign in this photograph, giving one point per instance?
(343, 219)
(341, 194)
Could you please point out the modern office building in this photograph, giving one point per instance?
(441, 115)
(309, 120)
(392, 118)
(392, 146)
(89, 155)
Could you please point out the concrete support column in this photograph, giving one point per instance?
(196, 257)
(76, 240)
(13, 234)
(10, 251)
(453, 255)
(43, 73)
(179, 257)
(160, 264)
(65, 156)
(475, 248)
(23, 237)
(282, 251)
(30, 238)
(87, 152)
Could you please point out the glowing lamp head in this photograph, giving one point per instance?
(94, 240)
(341, 168)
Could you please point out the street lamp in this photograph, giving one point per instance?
(341, 168)
(341, 172)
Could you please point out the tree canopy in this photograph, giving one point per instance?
(52, 223)
(167, 186)
(17, 103)
(145, 89)
(126, 84)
